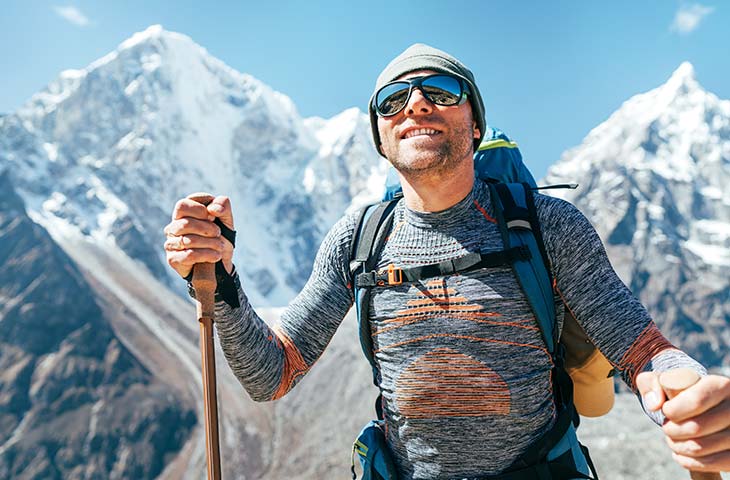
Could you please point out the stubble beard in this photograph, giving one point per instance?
(438, 161)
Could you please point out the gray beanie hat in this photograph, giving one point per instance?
(422, 57)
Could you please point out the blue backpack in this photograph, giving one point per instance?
(498, 161)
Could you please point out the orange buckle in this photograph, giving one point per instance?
(395, 275)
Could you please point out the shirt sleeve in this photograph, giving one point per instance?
(615, 321)
(269, 361)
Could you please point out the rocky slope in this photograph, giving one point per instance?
(653, 181)
(97, 160)
(74, 402)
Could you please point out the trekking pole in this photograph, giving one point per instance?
(673, 382)
(204, 284)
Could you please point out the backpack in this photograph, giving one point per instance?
(499, 163)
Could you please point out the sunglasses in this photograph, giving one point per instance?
(439, 89)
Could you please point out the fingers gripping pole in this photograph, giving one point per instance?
(673, 382)
(204, 284)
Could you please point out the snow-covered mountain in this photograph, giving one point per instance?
(654, 180)
(98, 160)
(106, 151)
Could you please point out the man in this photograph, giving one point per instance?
(465, 375)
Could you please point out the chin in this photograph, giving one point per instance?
(418, 161)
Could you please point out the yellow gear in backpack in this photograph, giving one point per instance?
(590, 370)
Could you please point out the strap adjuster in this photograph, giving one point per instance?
(395, 275)
(519, 223)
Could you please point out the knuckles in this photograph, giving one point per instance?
(683, 430)
(176, 209)
(688, 448)
(647, 381)
(191, 219)
(688, 404)
(712, 390)
(181, 208)
(684, 461)
(723, 384)
(187, 207)
(695, 401)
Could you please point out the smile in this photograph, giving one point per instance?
(420, 131)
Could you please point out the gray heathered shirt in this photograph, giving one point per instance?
(465, 372)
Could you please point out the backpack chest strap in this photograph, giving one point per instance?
(472, 261)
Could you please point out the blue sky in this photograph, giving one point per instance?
(549, 71)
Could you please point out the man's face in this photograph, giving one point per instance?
(427, 138)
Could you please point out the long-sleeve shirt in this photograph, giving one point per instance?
(465, 373)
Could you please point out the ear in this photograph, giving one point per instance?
(477, 133)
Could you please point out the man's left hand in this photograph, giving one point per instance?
(697, 425)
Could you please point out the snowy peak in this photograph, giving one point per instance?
(683, 75)
(680, 94)
(153, 33)
(161, 87)
(156, 64)
(105, 152)
(664, 154)
(153, 39)
(667, 130)
(654, 182)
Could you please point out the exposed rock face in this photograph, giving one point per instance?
(74, 403)
(109, 149)
(98, 159)
(654, 182)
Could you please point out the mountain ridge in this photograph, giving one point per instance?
(65, 374)
(126, 137)
(653, 176)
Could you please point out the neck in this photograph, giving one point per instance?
(438, 191)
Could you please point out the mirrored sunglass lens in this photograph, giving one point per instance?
(392, 98)
(442, 90)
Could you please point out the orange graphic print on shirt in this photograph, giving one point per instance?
(445, 382)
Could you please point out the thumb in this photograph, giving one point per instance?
(650, 390)
(221, 207)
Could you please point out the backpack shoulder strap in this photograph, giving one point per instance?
(367, 241)
(514, 207)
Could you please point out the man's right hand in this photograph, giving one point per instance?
(192, 237)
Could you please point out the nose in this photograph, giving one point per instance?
(418, 103)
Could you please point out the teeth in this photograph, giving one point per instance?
(420, 131)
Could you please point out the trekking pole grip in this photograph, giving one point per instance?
(204, 284)
(204, 281)
(673, 382)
